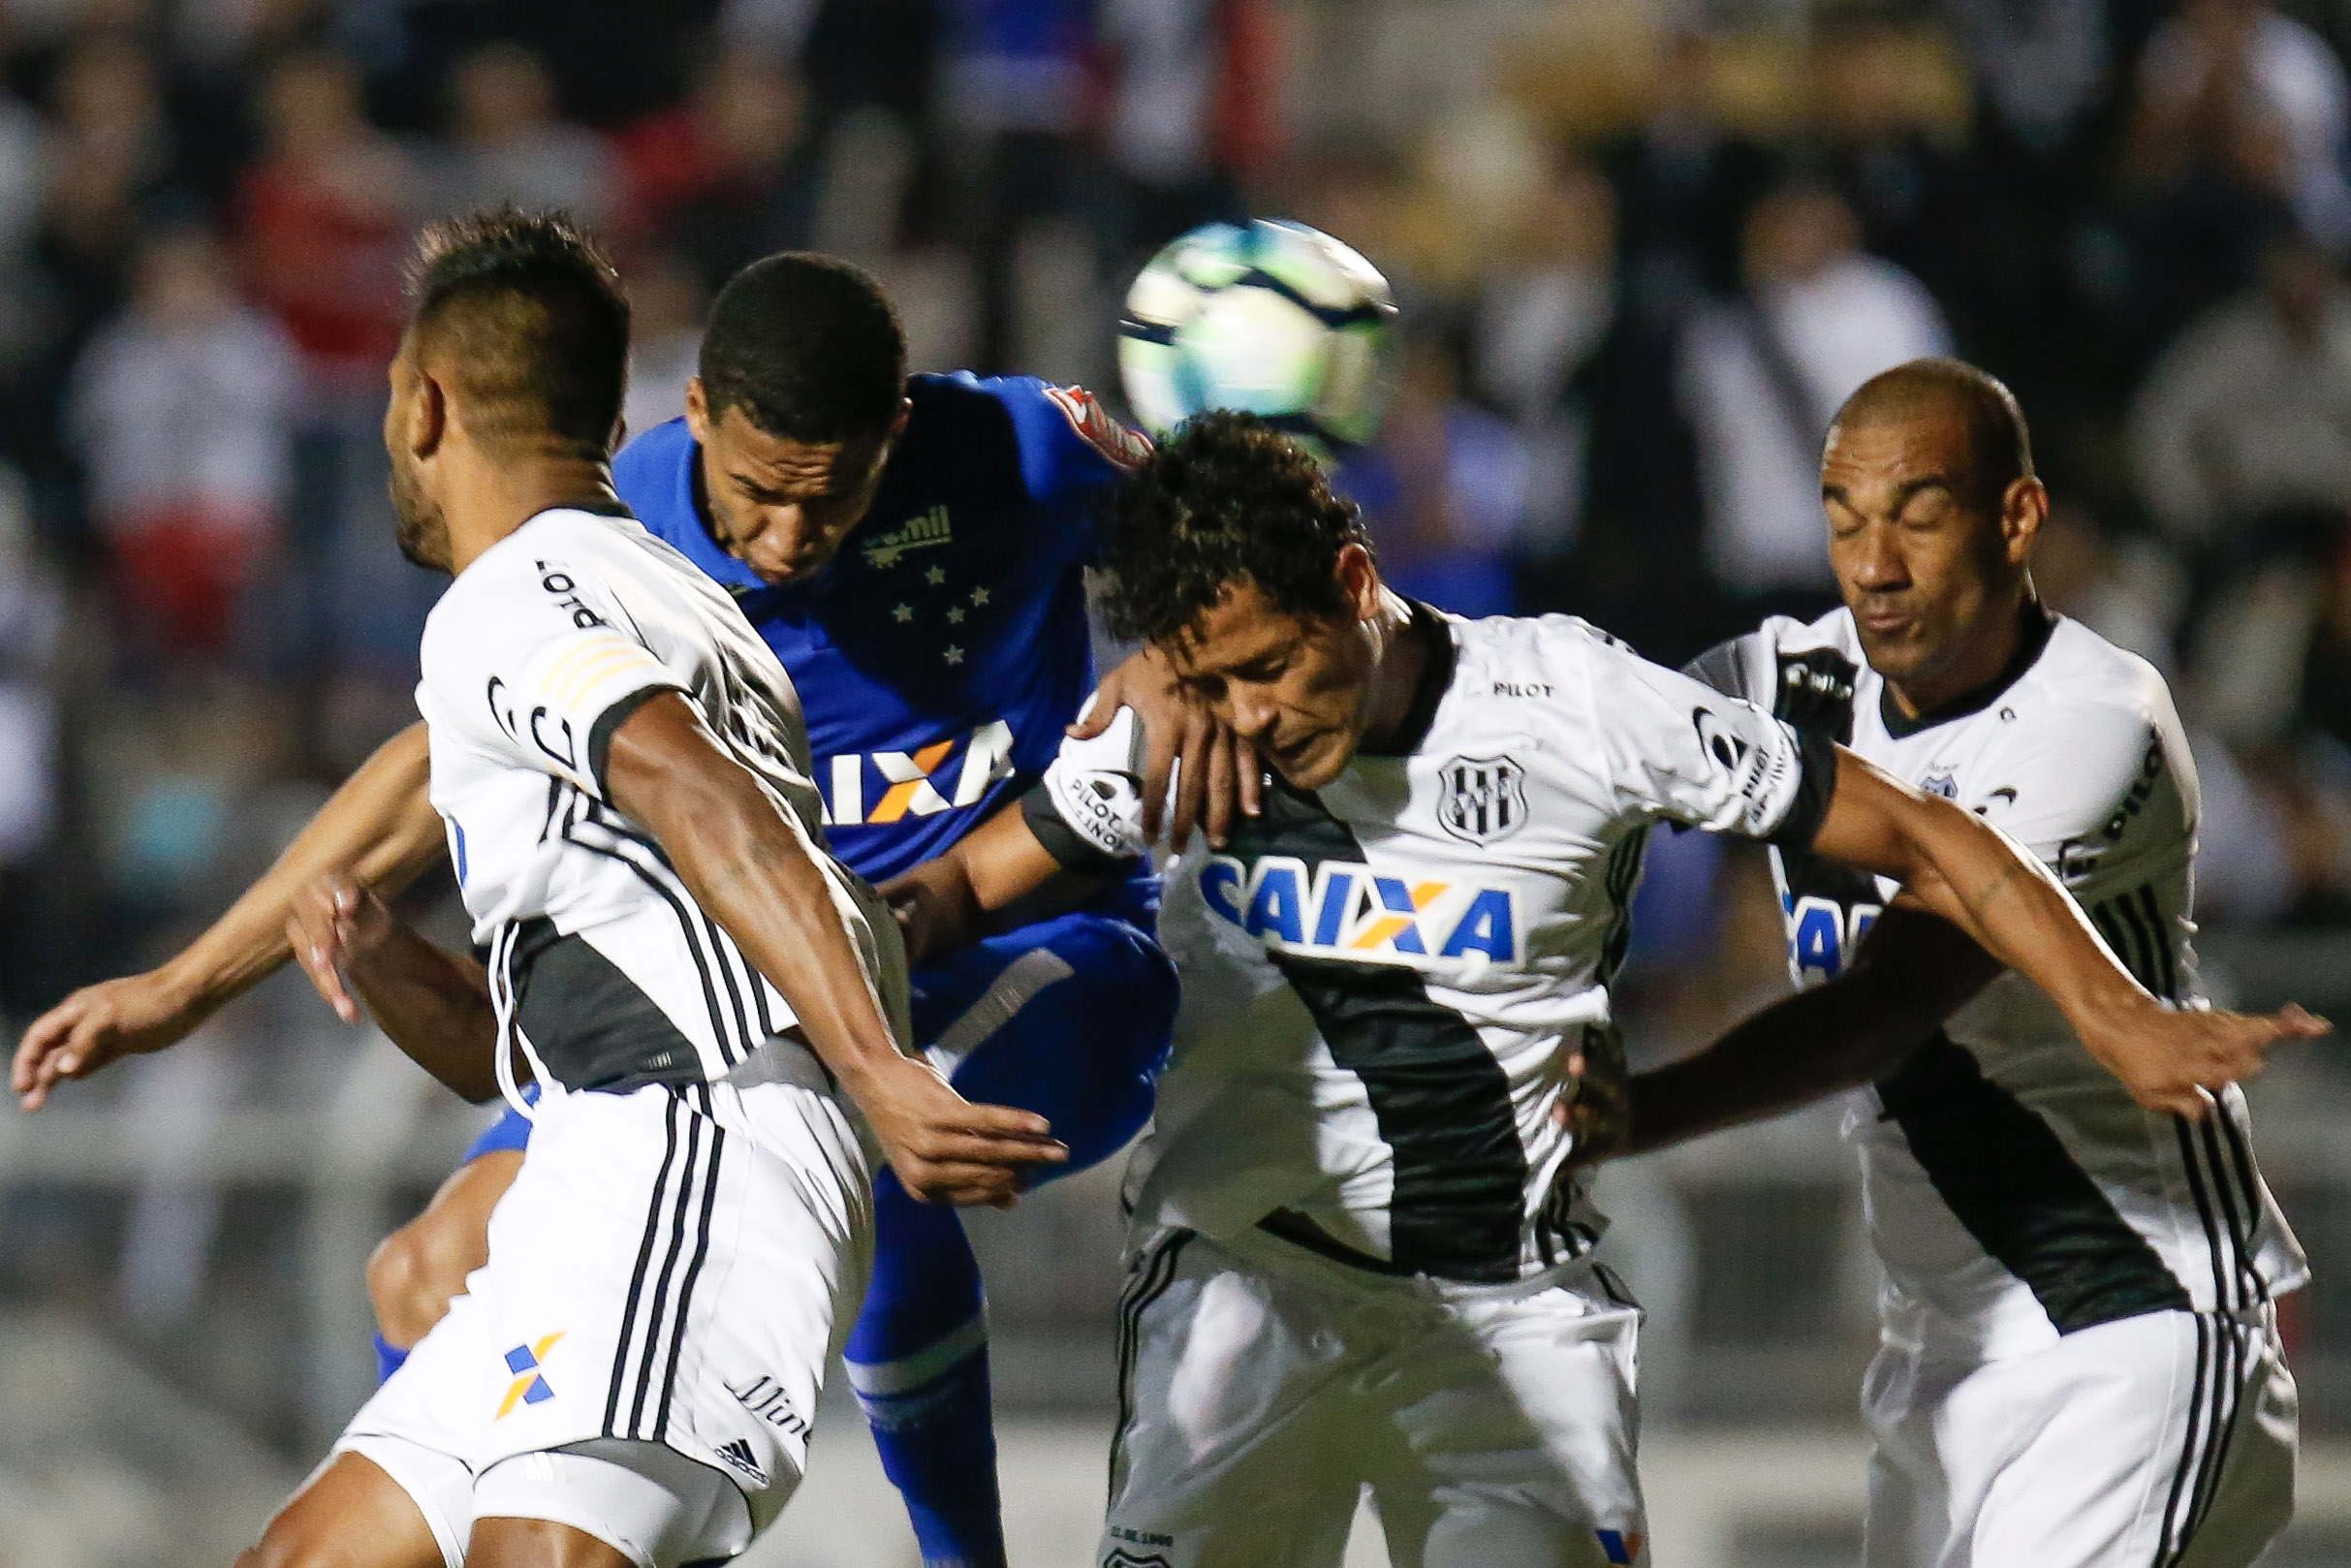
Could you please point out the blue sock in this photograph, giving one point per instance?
(387, 1358)
(918, 1360)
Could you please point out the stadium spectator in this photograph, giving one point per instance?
(1444, 489)
(110, 152)
(180, 409)
(509, 143)
(2250, 410)
(32, 624)
(1190, 113)
(1763, 370)
(2266, 92)
(326, 213)
(724, 176)
(667, 303)
(1016, 92)
(1544, 311)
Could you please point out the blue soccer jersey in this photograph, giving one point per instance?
(942, 652)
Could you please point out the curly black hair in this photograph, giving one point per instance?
(524, 316)
(1228, 499)
(809, 347)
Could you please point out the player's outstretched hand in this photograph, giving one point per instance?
(1214, 770)
(98, 1025)
(947, 1150)
(2167, 1060)
(333, 922)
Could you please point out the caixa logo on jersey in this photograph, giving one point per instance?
(1349, 912)
(877, 788)
(1483, 799)
(1822, 933)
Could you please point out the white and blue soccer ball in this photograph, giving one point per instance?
(1271, 318)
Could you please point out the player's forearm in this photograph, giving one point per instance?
(380, 825)
(752, 867)
(435, 1006)
(757, 874)
(1814, 1044)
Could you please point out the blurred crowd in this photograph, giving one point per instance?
(1638, 273)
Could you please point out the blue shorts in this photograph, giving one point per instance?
(1071, 1017)
(509, 1132)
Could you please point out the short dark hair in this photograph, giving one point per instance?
(809, 347)
(1228, 499)
(528, 317)
(1999, 447)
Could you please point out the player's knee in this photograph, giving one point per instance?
(414, 1274)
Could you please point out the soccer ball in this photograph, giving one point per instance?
(1271, 318)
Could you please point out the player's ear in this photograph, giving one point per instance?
(1359, 581)
(427, 415)
(2023, 510)
(698, 410)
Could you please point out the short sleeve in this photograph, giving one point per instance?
(527, 660)
(1678, 748)
(1087, 809)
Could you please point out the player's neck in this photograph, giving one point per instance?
(493, 499)
(1986, 662)
(1398, 659)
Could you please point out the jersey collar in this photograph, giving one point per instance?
(2037, 624)
(1436, 679)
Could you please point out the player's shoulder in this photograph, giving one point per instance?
(1062, 435)
(1554, 660)
(653, 456)
(2080, 679)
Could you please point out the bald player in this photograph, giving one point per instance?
(2079, 1361)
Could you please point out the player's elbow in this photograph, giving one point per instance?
(414, 1274)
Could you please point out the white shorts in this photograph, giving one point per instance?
(2164, 1438)
(1262, 1386)
(668, 1274)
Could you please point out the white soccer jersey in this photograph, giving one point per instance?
(2013, 1187)
(532, 659)
(1383, 981)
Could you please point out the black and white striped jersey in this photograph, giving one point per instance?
(539, 651)
(1384, 981)
(2013, 1187)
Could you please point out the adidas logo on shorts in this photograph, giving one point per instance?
(738, 1452)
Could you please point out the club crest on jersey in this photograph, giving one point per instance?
(1356, 914)
(1484, 798)
(1943, 782)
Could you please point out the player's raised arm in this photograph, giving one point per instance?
(1079, 826)
(1912, 972)
(750, 865)
(379, 824)
(1987, 886)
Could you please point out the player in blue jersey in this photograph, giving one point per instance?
(914, 551)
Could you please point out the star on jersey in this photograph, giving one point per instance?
(953, 654)
(955, 617)
(902, 613)
(935, 575)
(979, 597)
